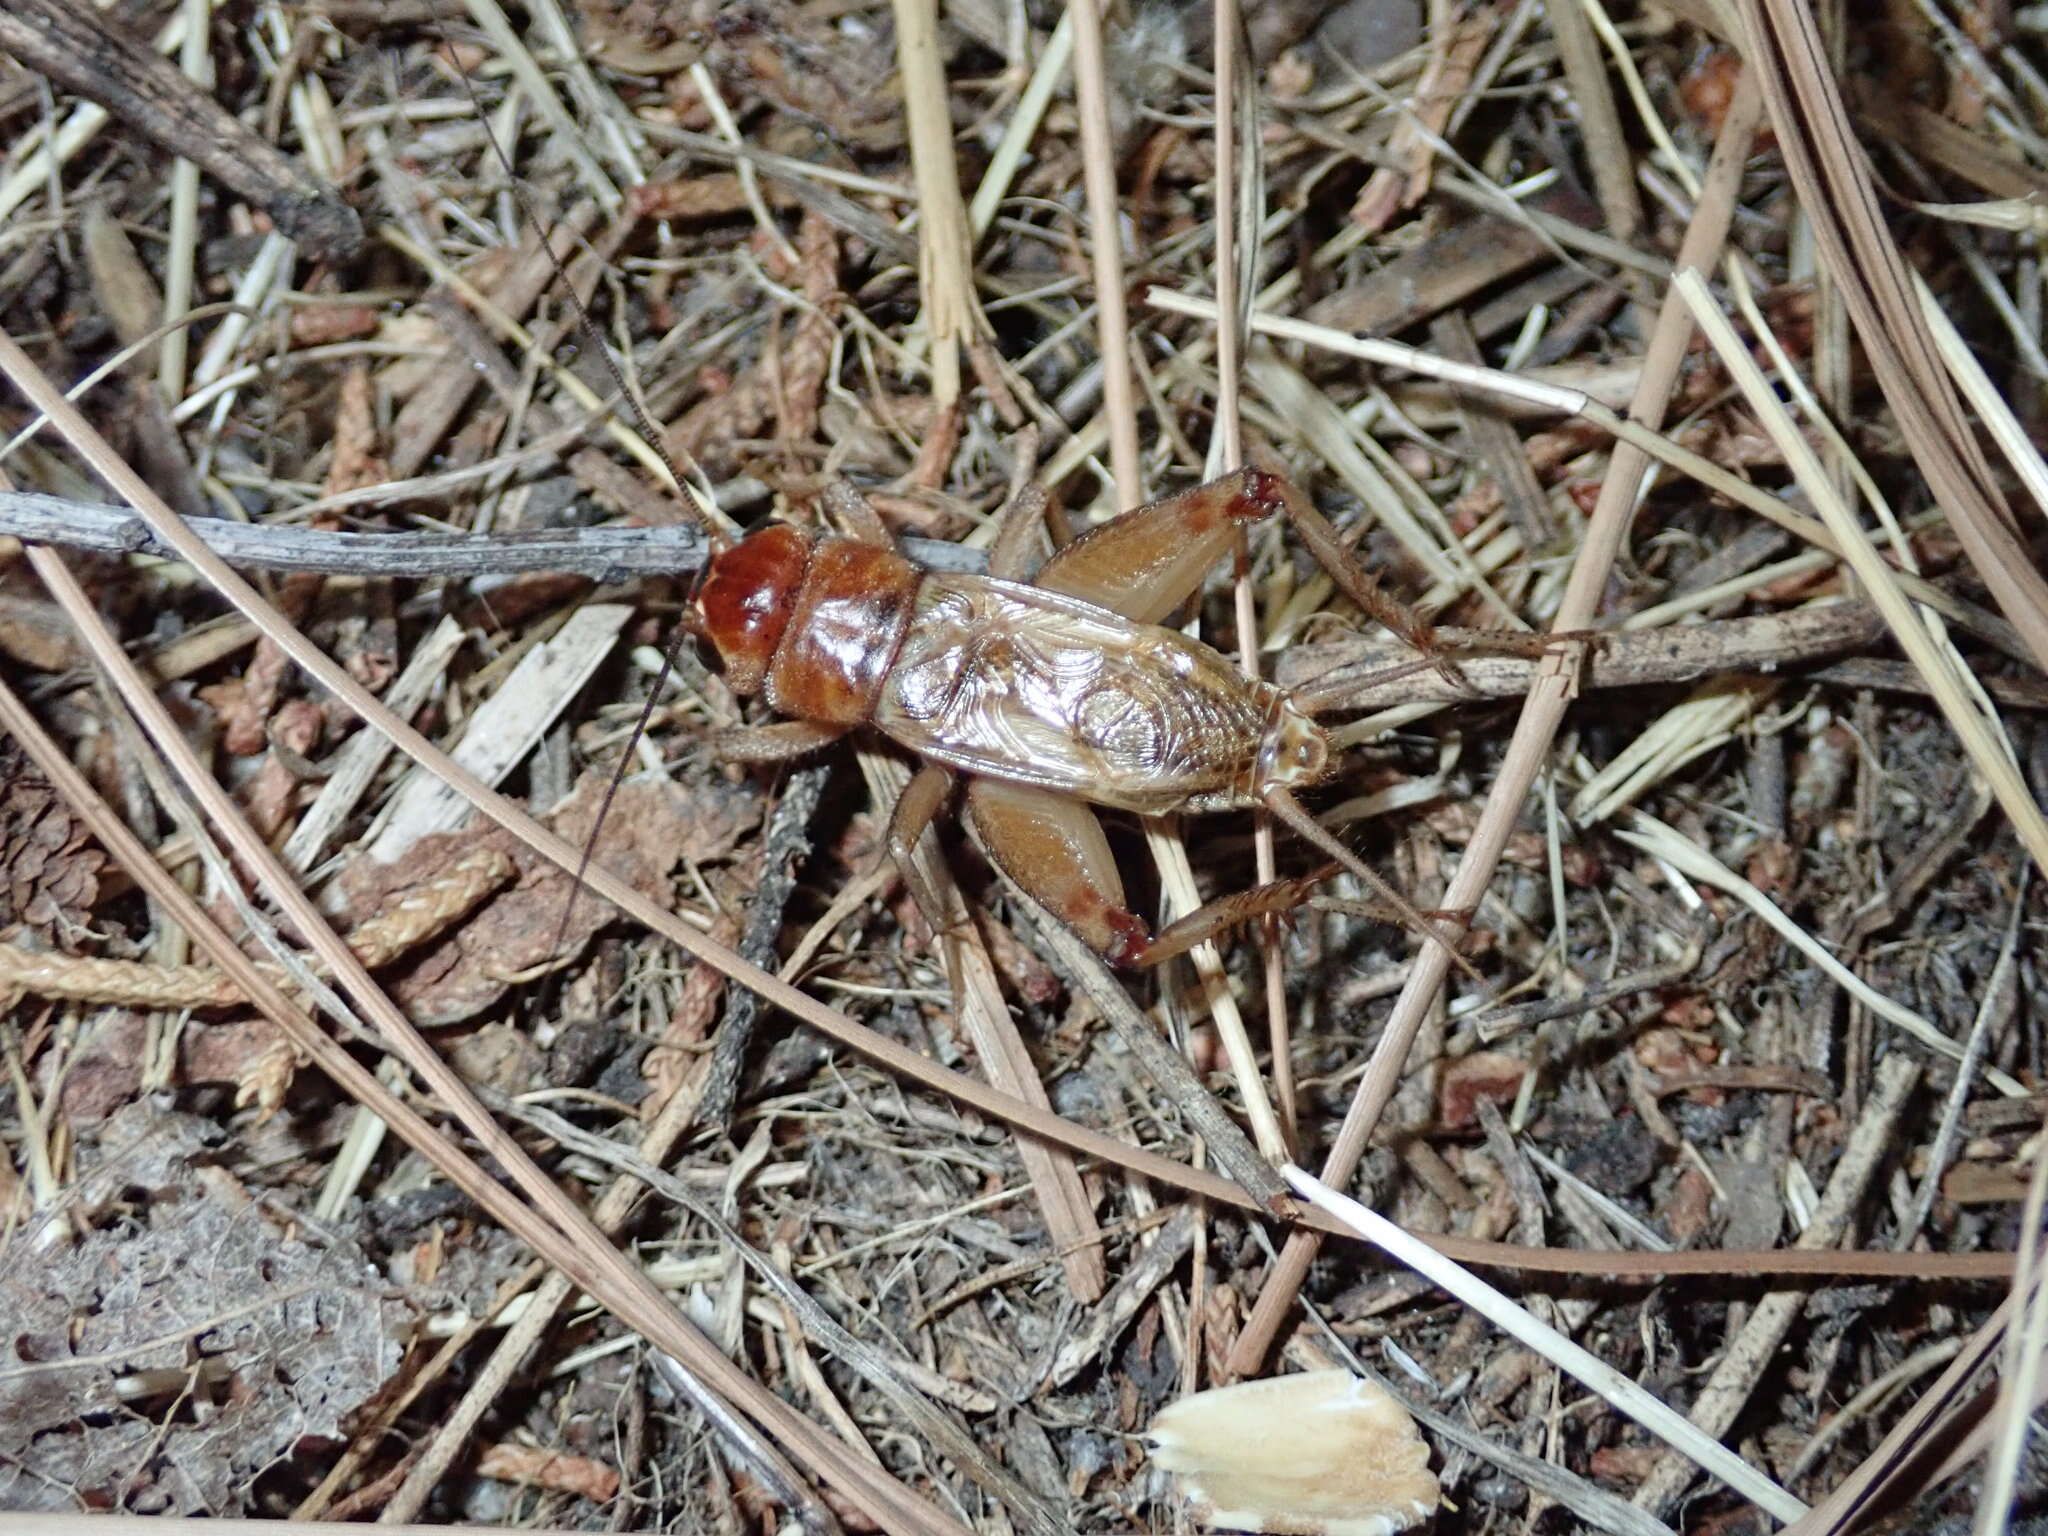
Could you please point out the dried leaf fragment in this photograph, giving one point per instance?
(1323, 1453)
(537, 1468)
(49, 866)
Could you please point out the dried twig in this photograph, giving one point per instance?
(1540, 718)
(77, 47)
(784, 844)
(1105, 249)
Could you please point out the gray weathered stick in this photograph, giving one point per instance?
(1364, 672)
(783, 848)
(1361, 673)
(602, 554)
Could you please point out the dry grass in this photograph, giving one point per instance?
(1569, 318)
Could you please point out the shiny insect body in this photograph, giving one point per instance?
(1050, 687)
(1051, 691)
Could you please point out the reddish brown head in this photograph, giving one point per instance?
(746, 600)
(814, 625)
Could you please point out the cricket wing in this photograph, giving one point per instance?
(1032, 687)
(1148, 561)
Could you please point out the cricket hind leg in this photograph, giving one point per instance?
(1403, 622)
(1148, 561)
(1424, 924)
(1053, 846)
(1358, 584)
(1279, 898)
(1275, 898)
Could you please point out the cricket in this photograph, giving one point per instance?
(945, 766)
(1051, 690)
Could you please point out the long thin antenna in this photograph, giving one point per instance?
(718, 529)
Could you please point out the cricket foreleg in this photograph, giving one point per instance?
(915, 810)
(855, 514)
(1018, 549)
(911, 817)
(774, 743)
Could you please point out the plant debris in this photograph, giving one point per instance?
(1603, 321)
(165, 1362)
(51, 868)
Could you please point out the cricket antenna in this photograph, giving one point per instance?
(720, 531)
(717, 526)
(1304, 826)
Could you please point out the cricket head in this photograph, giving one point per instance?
(744, 603)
